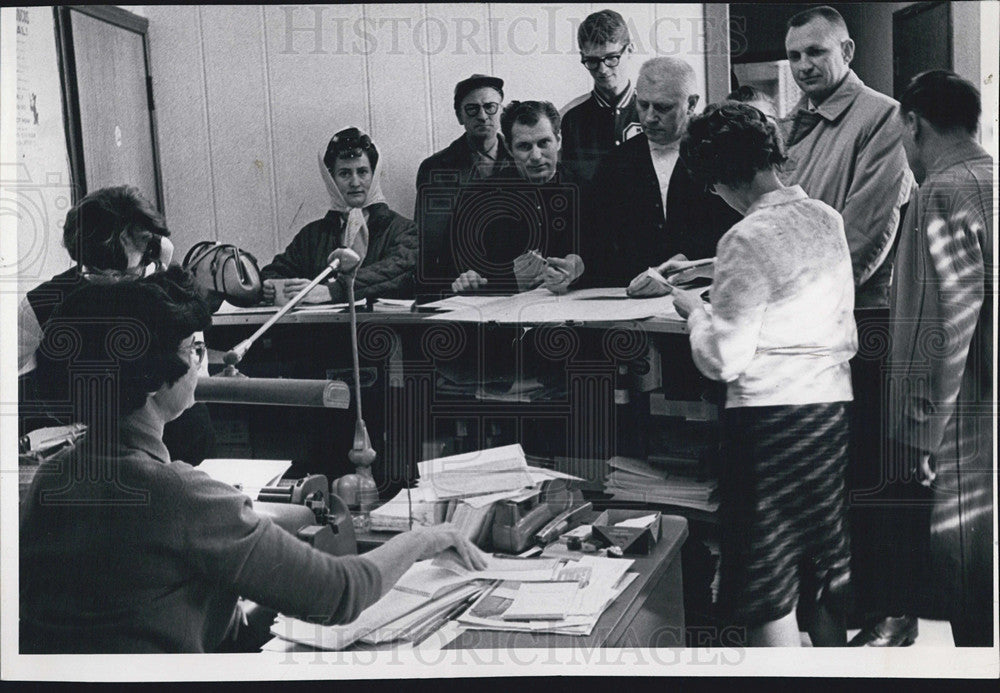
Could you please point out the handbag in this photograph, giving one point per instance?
(225, 272)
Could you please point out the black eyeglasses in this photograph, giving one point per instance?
(472, 109)
(611, 59)
(110, 276)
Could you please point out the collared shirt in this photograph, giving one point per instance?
(664, 160)
(484, 163)
(853, 160)
(781, 324)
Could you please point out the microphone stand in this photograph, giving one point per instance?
(358, 489)
(236, 354)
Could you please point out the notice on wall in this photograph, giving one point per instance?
(34, 164)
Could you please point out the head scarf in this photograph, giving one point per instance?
(356, 230)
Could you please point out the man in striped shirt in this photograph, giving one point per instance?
(940, 372)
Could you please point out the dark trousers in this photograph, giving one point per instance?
(889, 512)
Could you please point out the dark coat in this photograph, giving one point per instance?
(48, 295)
(627, 230)
(439, 179)
(505, 216)
(387, 269)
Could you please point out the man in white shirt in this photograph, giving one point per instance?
(645, 207)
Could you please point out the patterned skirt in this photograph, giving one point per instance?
(782, 510)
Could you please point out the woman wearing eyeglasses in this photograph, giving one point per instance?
(123, 549)
(360, 219)
(113, 234)
(780, 333)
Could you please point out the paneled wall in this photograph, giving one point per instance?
(247, 95)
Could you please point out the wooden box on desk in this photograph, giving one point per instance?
(633, 541)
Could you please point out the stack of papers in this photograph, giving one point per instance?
(476, 473)
(637, 480)
(395, 514)
(542, 595)
(463, 490)
(569, 603)
(421, 595)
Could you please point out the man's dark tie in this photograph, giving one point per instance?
(802, 125)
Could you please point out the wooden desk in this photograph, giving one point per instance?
(650, 613)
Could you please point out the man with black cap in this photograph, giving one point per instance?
(477, 154)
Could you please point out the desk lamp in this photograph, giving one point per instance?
(358, 489)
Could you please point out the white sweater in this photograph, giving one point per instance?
(781, 329)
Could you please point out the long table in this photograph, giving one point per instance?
(597, 308)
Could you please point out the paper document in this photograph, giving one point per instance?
(228, 308)
(391, 607)
(476, 473)
(541, 306)
(412, 622)
(464, 301)
(524, 569)
(637, 522)
(393, 304)
(394, 515)
(322, 306)
(535, 601)
(427, 580)
(250, 476)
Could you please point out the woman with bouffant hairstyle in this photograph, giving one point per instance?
(780, 334)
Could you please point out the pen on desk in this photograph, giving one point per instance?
(677, 270)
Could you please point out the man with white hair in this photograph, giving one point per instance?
(645, 206)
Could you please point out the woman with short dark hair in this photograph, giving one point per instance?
(123, 549)
(113, 234)
(780, 333)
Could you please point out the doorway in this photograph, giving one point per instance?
(921, 40)
(108, 99)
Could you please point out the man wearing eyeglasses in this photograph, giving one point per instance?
(475, 155)
(597, 122)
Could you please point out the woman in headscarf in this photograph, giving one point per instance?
(124, 549)
(359, 219)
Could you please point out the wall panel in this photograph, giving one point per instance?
(248, 95)
(238, 116)
(317, 87)
(397, 90)
(178, 70)
(449, 58)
